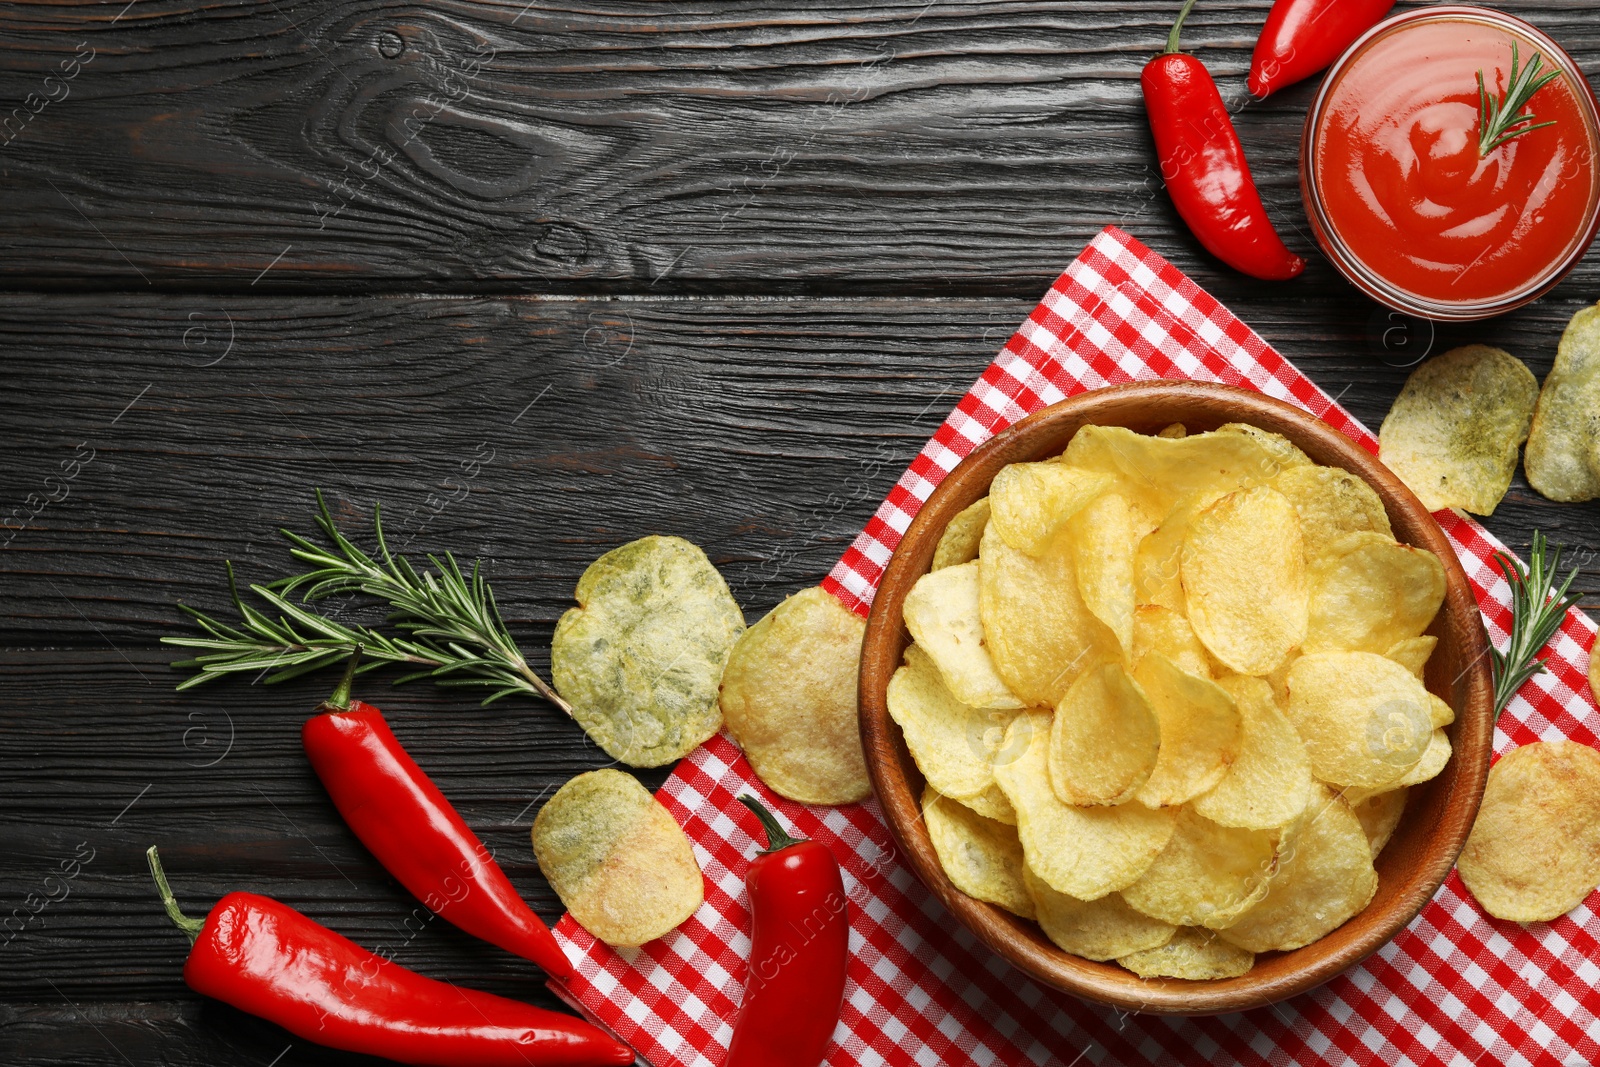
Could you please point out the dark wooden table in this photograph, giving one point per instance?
(540, 278)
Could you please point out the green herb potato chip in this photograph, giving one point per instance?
(616, 858)
(1453, 432)
(959, 542)
(789, 698)
(981, 857)
(641, 656)
(1083, 852)
(1197, 955)
(1534, 851)
(1100, 929)
(1561, 461)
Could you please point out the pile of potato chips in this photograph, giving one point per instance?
(1166, 694)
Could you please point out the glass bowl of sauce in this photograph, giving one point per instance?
(1399, 193)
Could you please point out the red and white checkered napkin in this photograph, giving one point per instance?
(1455, 988)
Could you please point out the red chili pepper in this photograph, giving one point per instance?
(1303, 36)
(799, 946)
(1204, 167)
(267, 959)
(403, 819)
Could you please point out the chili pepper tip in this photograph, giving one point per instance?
(777, 837)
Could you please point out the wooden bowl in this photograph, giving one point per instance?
(1438, 815)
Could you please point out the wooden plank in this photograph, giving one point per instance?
(623, 146)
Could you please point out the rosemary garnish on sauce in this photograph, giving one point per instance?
(1536, 614)
(1503, 120)
(451, 629)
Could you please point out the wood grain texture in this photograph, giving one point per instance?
(904, 178)
(902, 147)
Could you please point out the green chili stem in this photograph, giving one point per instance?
(341, 696)
(189, 926)
(777, 837)
(1177, 28)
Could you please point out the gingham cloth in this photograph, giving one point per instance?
(1455, 988)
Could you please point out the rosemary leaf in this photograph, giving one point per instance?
(1537, 609)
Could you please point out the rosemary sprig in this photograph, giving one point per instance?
(1536, 613)
(453, 630)
(1503, 120)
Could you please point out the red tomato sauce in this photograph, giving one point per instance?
(1402, 183)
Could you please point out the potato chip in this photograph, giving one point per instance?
(1534, 851)
(959, 542)
(789, 699)
(1412, 653)
(981, 857)
(1105, 739)
(1030, 502)
(1560, 461)
(1369, 592)
(1197, 955)
(1324, 876)
(1038, 630)
(1364, 719)
(1156, 564)
(1158, 471)
(953, 743)
(1160, 629)
(1278, 678)
(1432, 761)
(1103, 543)
(1100, 929)
(641, 656)
(1083, 852)
(1200, 732)
(1453, 432)
(1270, 781)
(1175, 430)
(616, 858)
(1208, 875)
(1286, 455)
(991, 804)
(942, 613)
(1331, 503)
(1379, 814)
(1440, 714)
(1244, 579)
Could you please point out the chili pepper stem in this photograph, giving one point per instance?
(340, 700)
(1177, 28)
(190, 926)
(777, 837)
